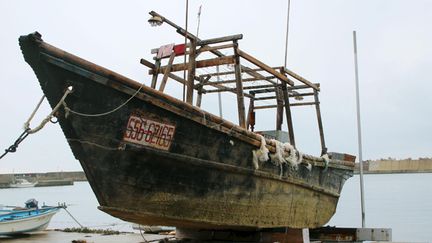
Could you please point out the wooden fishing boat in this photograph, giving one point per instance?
(152, 159)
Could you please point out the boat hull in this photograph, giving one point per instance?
(196, 173)
(31, 223)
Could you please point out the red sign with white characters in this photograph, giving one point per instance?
(149, 133)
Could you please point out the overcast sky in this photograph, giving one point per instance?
(395, 59)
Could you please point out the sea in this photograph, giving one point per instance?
(402, 202)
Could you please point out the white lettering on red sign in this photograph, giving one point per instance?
(146, 132)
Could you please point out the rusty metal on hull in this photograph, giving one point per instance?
(202, 178)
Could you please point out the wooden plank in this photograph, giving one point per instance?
(300, 78)
(303, 104)
(266, 98)
(302, 86)
(199, 64)
(155, 75)
(288, 114)
(200, 88)
(219, 40)
(170, 75)
(279, 110)
(243, 70)
(265, 107)
(191, 73)
(211, 48)
(320, 125)
(239, 88)
(167, 71)
(265, 67)
(243, 80)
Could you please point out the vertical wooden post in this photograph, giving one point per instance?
(155, 74)
(167, 71)
(202, 81)
(191, 72)
(320, 126)
(279, 110)
(239, 87)
(251, 113)
(288, 113)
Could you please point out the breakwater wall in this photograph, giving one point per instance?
(44, 179)
(388, 166)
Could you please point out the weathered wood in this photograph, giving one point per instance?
(211, 48)
(279, 110)
(199, 64)
(320, 125)
(288, 114)
(167, 71)
(261, 91)
(303, 104)
(264, 107)
(302, 86)
(170, 75)
(219, 40)
(239, 88)
(300, 78)
(191, 73)
(243, 70)
(155, 75)
(243, 80)
(264, 67)
(200, 89)
(266, 98)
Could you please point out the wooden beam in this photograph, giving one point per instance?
(199, 64)
(200, 88)
(265, 107)
(219, 40)
(239, 88)
(155, 75)
(266, 98)
(265, 67)
(191, 73)
(211, 48)
(302, 86)
(170, 75)
(288, 114)
(279, 111)
(300, 78)
(250, 122)
(303, 103)
(167, 71)
(243, 70)
(235, 80)
(320, 125)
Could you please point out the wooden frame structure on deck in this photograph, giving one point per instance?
(279, 84)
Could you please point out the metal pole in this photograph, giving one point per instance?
(219, 94)
(286, 36)
(184, 72)
(359, 132)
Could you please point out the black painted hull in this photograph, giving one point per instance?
(196, 173)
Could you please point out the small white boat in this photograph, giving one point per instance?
(26, 220)
(22, 183)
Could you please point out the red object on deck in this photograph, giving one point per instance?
(179, 49)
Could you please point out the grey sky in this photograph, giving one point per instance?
(394, 43)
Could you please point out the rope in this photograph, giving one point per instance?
(73, 217)
(104, 113)
(27, 130)
(48, 118)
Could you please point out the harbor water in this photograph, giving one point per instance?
(402, 202)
